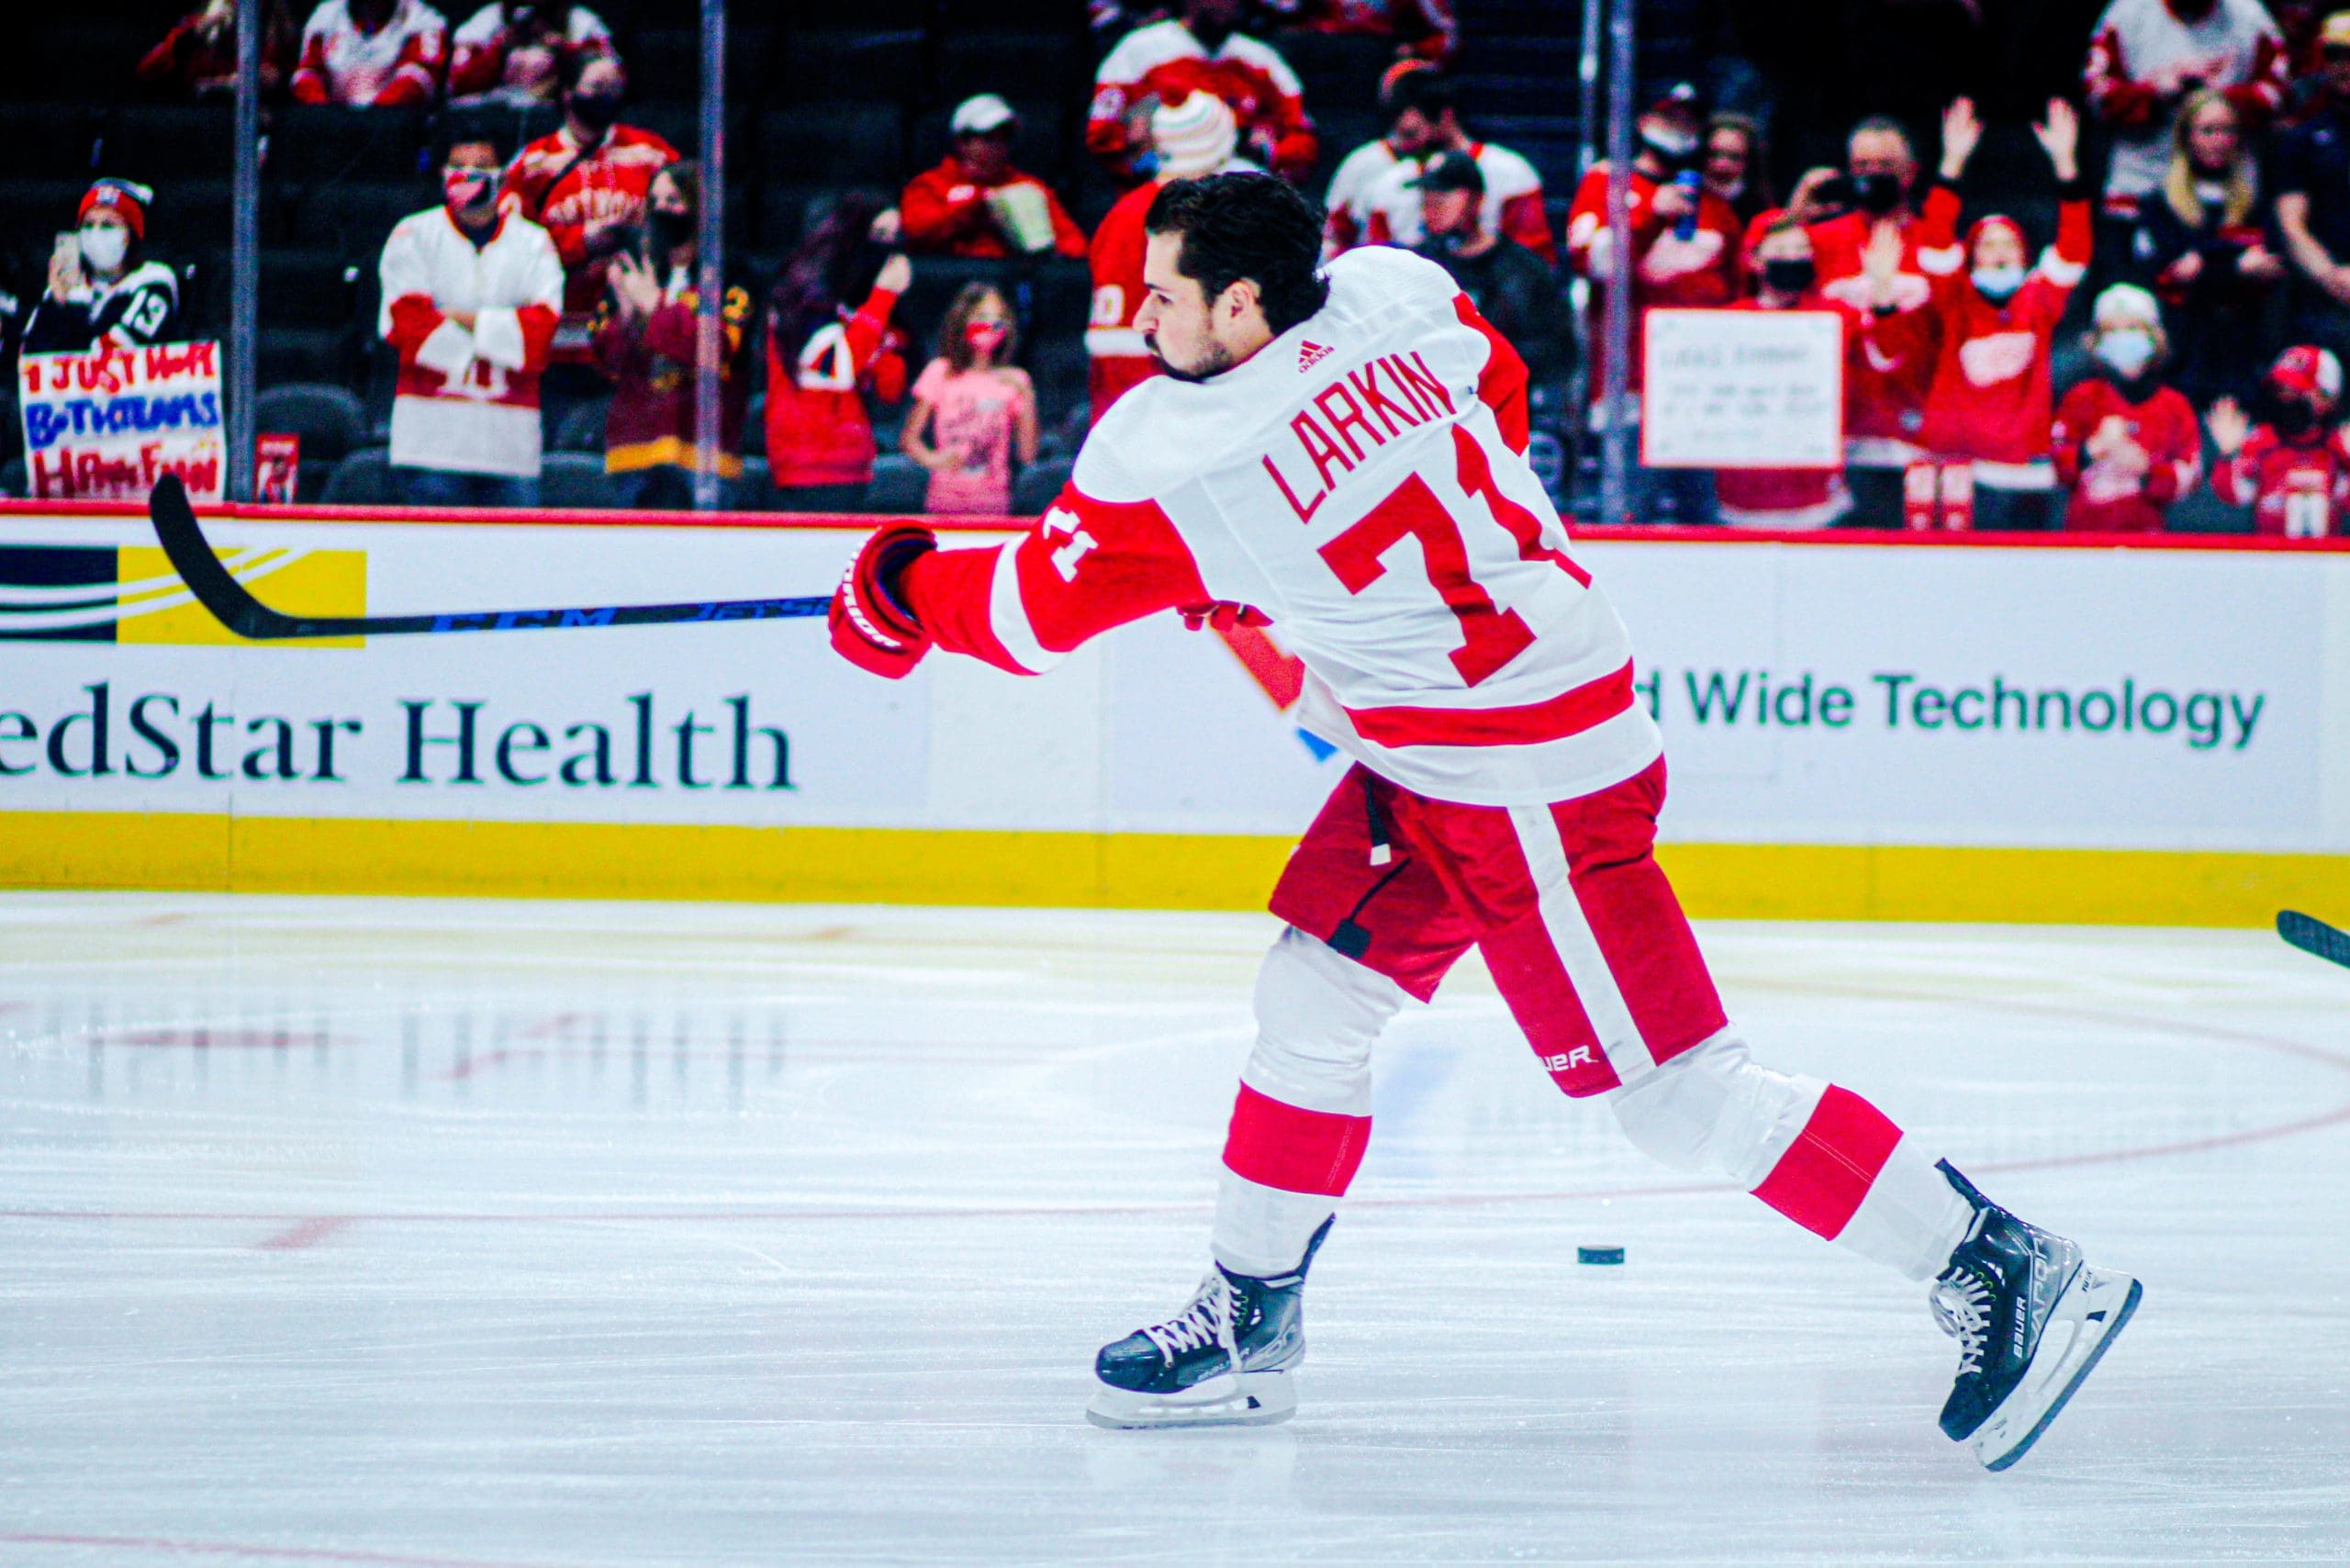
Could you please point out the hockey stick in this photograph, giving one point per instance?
(191, 555)
(2314, 935)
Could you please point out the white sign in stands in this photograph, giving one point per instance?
(106, 424)
(1742, 389)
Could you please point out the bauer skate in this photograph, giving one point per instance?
(2031, 1320)
(1224, 1360)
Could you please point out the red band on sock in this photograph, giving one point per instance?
(1819, 1182)
(1281, 1145)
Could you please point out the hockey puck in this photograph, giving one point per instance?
(1599, 1254)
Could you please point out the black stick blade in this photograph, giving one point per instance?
(191, 557)
(2314, 935)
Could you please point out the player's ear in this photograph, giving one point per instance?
(1238, 299)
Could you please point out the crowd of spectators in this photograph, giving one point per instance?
(2207, 209)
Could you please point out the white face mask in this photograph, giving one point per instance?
(1998, 283)
(2128, 348)
(103, 246)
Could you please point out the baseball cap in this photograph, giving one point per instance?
(1451, 171)
(2335, 31)
(2306, 368)
(976, 116)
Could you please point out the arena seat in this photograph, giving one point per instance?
(582, 428)
(898, 486)
(1038, 484)
(840, 141)
(574, 479)
(362, 479)
(329, 418)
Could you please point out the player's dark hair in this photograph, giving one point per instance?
(1247, 226)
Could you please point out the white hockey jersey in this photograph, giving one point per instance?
(1361, 480)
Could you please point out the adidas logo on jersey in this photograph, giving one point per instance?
(1309, 355)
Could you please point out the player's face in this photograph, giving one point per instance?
(1176, 321)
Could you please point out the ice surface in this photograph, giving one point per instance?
(403, 1233)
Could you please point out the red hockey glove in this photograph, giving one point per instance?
(1221, 615)
(870, 628)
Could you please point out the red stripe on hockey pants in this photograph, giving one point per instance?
(1281, 1145)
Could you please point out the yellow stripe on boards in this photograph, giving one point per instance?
(833, 865)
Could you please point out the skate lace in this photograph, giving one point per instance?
(1206, 1321)
(1962, 1303)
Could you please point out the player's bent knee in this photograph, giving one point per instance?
(1317, 1013)
(1713, 1109)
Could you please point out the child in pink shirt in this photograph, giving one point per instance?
(970, 406)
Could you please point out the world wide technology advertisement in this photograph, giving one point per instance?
(2091, 699)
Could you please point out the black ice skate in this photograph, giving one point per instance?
(2031, 1320)
(1224, 1360)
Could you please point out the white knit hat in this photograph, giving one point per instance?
(2127, 305)
(1194, 135)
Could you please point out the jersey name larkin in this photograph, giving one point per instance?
(1398, 393)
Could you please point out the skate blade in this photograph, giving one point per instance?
(2090, 1315)
(1252, 1399)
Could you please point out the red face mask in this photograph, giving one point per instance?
(464, 188)
(986, 337)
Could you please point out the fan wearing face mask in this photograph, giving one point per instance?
(972, 408)
(2126, 444)
(1687, 250)
(1876, 331)
(584, 183)
(102, 288)
(2294, 472)
(1989, 405)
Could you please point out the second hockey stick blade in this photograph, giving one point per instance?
(2311, 934)
(232, 605)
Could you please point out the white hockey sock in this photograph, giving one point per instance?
(1304, 1111)
(1820, 1155)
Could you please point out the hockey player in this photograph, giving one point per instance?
(2294, 472)
(102, 289)
(2125, 443)
(1989, 405)
(1201, 51)
(1192, 136)
(1344, 453)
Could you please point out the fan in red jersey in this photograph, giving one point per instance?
(2294, 472)
(1687, 250)
(584, 183)
(1201, 52)
(1343, 453)
(2125, 443)
(1989, 405)
(371, 54)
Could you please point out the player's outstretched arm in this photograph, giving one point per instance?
(1087, 566)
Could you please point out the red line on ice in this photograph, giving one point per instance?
(309, 1233)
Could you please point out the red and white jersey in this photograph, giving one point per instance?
(1163, 61)
(1511, 206)
(1708, 268)
(1361, 480)
(2139, 60)
(568, 191)
(2298, 489)
(479, 60)
(399, 62)
(467, 400)
(1348, 201)
(1991, 398)
(2106, 498)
